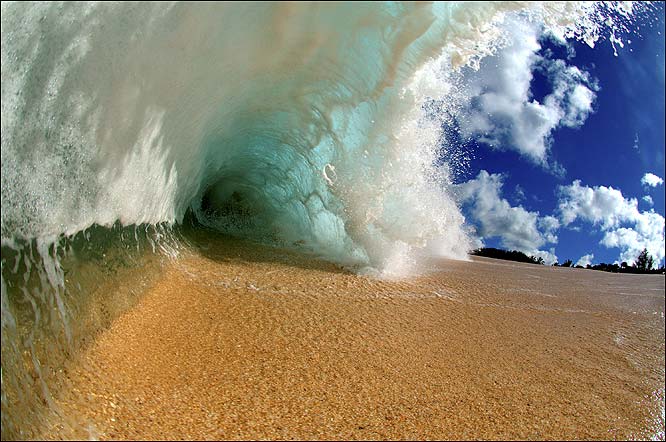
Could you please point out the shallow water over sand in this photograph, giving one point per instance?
(237, 341)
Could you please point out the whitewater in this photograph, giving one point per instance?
(309, 126)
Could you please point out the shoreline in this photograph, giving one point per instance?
(252, 343)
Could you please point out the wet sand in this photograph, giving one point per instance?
(239, 342)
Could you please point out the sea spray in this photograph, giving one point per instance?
(306, 125)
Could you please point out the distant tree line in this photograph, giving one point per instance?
(644, 262)
(513, 255)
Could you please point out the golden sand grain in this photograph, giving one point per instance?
(243, 342)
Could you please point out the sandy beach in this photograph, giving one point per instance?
(246, 342)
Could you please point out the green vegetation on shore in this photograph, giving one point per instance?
(644, 263)
(513, 255)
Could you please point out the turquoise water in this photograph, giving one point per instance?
(303, 125)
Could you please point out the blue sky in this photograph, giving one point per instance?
(562, 137)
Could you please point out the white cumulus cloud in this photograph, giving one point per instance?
(503, 113)
(652, 180)
(518, 228)
(549, 225)
(585, 260)
(648, 200)
(599, 205)
(549, 257)
(623, 225)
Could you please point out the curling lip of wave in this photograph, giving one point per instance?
(118, 131)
